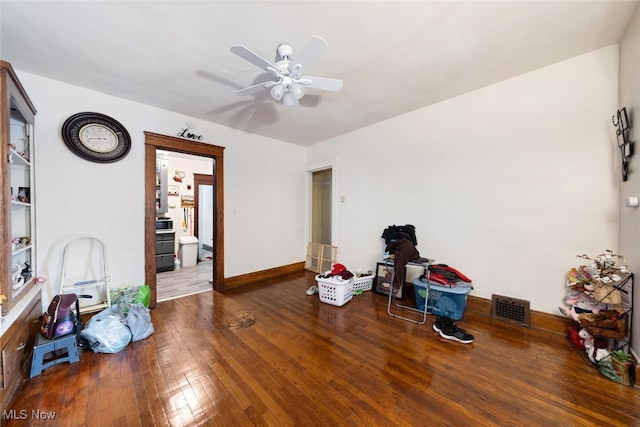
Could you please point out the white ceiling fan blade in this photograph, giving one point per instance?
(322, 83)
(254, 89)
(250, 56)
(310, 53)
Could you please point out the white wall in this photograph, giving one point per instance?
(507, 183)
(264, 209)
(630, 217)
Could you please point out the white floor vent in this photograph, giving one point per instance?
(510, 310)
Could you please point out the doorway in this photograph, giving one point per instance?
(179, 243)
(321, 208)
(204, 208)
(154, 142)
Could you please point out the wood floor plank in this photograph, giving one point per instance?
(269, 355)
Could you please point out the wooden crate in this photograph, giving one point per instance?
(320, 258)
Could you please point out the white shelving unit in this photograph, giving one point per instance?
(17, 186)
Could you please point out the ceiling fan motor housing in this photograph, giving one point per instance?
(285, 51)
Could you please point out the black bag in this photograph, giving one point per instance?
(59, 320)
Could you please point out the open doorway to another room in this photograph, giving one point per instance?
(321, 207)
(171, 200)
(184, 266)
(203, 212)
(321, 254)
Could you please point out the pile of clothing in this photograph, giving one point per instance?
(403, 251)
(394, 233)
(444, 275)
(338, 270)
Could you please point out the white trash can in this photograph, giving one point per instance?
(188, 250)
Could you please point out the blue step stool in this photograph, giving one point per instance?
(47, 353)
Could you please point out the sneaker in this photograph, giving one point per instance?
(312, 290)
(444, 322)
(450, 331)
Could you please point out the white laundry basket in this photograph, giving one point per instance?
(335, 290)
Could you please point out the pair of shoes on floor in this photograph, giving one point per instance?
(312, 290)
(448, 329)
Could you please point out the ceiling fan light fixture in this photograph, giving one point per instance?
(297, 90)
(277, 91)
(289, 100)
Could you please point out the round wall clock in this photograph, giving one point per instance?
(96, 137)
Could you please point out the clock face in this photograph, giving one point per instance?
(96, 137)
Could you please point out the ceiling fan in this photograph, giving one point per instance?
(288, 83)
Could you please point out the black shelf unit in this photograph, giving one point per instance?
(165, 247)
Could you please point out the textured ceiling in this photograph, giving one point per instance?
(393, 56)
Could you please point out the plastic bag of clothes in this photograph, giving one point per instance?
(105, 333)
(123, 298)
(139, 322)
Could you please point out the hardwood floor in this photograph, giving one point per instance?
(268, 354)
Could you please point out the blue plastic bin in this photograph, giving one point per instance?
(446, 301)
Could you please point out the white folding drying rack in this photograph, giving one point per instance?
(92, 285)
(402, 308)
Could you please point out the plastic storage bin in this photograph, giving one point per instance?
(448, 302)
(188, 250)
(335, 290)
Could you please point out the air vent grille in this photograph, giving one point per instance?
(510, 310)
